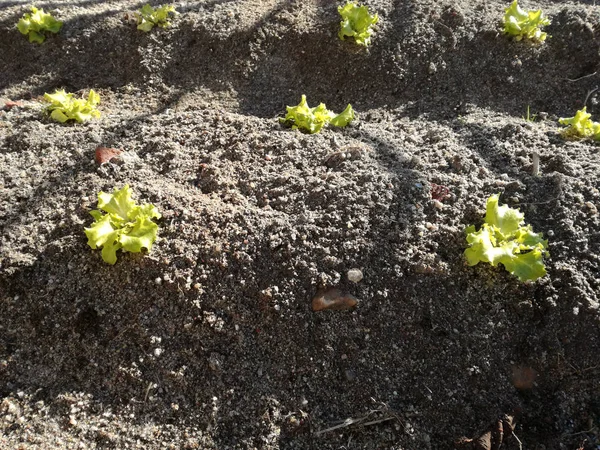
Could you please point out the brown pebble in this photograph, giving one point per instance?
(523, 377)
(10, 104)
(105, 154)
(333, 299)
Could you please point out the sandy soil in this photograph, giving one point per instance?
(210, 340)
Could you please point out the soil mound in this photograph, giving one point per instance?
(210, 341)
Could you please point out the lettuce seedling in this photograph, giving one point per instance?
(125, 225)
(64, 107)
(313, 119)
(525, 24)
(357, 23)
(580, 126)
(36, 24)
(148, 17)
(505, 239)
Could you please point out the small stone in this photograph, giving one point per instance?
(10, 407)
(105, 154)
(215, 362)
(350, 375)
(333, 299)
(523, 377)
(10, 104)
(592, 208)
(355, 275)
(437, 204)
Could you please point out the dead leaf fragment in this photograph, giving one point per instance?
(493, 437)
(105, 154)
(333, 299)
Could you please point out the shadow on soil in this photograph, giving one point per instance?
(271, 64)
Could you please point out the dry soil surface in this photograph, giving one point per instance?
(209, 341)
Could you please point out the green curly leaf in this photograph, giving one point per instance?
(148, 17)
(580, 126)
(357, 23)
(63, 107)
(125, 225)
(312, 120)
(37, 23)
(504, 239)
(343, 118)
(524, 24)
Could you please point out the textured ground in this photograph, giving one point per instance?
(210, 340)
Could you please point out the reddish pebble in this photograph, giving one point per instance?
(333, 299)
(10, 104)
(523, 377)
(104, 154)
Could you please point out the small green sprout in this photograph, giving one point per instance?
(505, 239)
(63, 107)
(148, 17)
(530, 117)
(125, 225)
(580, 126)
(357, 23)
(525, 24)
(312, 120)
(37, 24)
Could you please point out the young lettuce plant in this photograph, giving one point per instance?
(312, 120)
(580, 126)
(357, 23)
(125, 225)
(525, 24)
(505, 239)
(63, 107)
(36, 24)
(148, 17)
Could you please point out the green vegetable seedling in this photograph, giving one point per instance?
(312, 120)
(580, 126)
(529, 117)
(125, 225)
(357, 23)
(148, 17)
(63, 107)
(37, 24)
(524, 24)
(505, 239)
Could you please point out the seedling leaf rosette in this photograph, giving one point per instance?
(524, 24)
(125, 226)
(357, 23)
(580, 126)
(505, 239)
(63, 107)
(36, 24)
(312, 120)
(148, 17)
